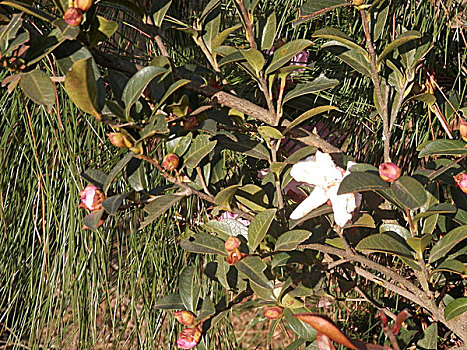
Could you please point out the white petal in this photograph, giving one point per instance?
(316, 198)
(342, 205)
(318, 170)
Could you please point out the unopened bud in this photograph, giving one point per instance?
(461, 182)
(232, 243)
(463, 130)
(358, 2)
(170, 162)
(235, 256)
(84, 5)
(119, 140)
(273, 313)
(389, 172)
(185, 317)
(73, 16)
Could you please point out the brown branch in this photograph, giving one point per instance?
(248, 27)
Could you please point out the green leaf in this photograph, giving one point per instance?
(448, 242)
(158, 207)
(111, 204)
(259, 227)
(319, 84)
(224, 197)
(298, 155)
(189, 288)
(255, 59)
(170, 302)
(400, 40)
(452, 266)
(95, 176)
(227, 227)
(440, 208)
(179, 145)
(159, 13)
(316, 8)
(204, 243)
(291, 239)
(444, 147)
(208, 9)
(409, 192)
(137, 179)
(29, 9)
(455, 308)
(211, 30)
(91, 221)
(419, 243)
(361, 181)
(39, 88)
(285, 53)
(401, 231)
(337, 35)
(137, 83)
(303, 330)
(199, 149)
(269, 32)
(207, 309)
(307, 115)
(350, 56)
(222, 36)
(430, 338)
(172, 88)
(252, 197)
(253, 267)
(244, 145)
(101, 30)
(268, 132)
(116, 170)
(81, 86)
(384, 243)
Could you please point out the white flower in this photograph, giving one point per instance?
(320, 171)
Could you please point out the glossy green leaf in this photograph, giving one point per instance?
(443, 147)
(29, 9)
(319, 84)
(159, 12)
(199, 149)
(360, 182)
(298, 155)
(401, 231)
(39, 88)
(189, 288)
(400, 40)
(253, 197)
(211, 30)
(307, 115)
(384, 243)
(254, 58)
(172, 88)
(268, 132)
(269, 32)
(207, 308)
(350, 56)
(179, 145)
(95, 176)
(430, 338)
(253, 267)
(204, 243)
(259, 227)
(227, 227)
(158, 207)
(452, 266)
(222, 36)
(137, 83)
(285, 53)
(170, 302)
(419, 243)
(245, 145)
(455, 308)
(81, 86)
(303, 330)
(448, 242)
(211, 5)
(224, 197)
(101, 30)
(337, 35)
(440, 208)
(291, 239)
(137, 178)
(409, 192)
(316, 8)
(116, 170)
(111, 204)
(91, 221)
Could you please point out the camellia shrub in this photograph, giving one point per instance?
(281, 214)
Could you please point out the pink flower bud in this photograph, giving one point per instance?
(170, 162)
(84, 5)
(461, 182)
(91, 198)
(119, 140)
(232, 243)
(189, 338)
(463, 130)
(185, 317)
(73, 16)
(389, 172)
(273, 313)
(235, 256)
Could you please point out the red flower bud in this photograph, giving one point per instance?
(273, 313)
(235, 256)
(185, 317)
(73, 16)
(170, 162)
(463, 130)
(389, 172)
(84, 5)
(232, 243)
(191, 123)
(189, 338)
(461, 182)
(91, 198)
(119, 140)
